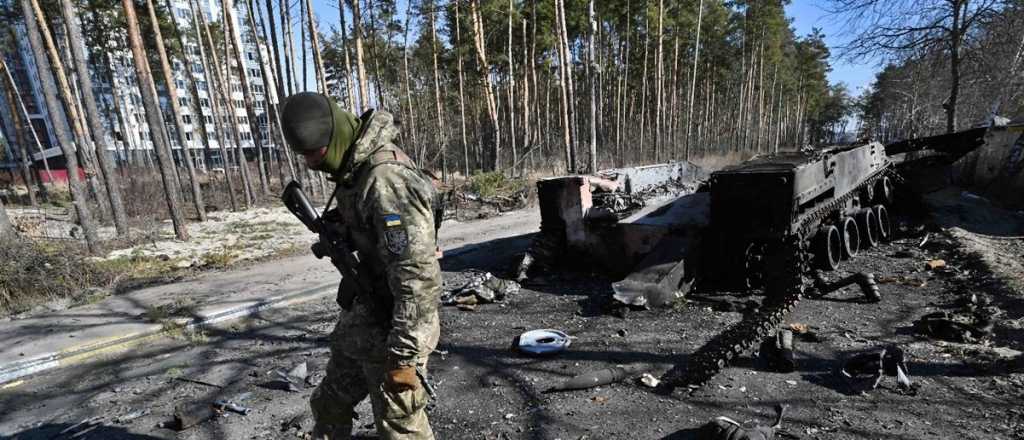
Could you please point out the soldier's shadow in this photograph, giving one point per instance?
(54, 431)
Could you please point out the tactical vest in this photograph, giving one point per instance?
(353, 224)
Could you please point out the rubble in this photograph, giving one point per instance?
(482, 288)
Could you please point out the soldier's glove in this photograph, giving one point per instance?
(401, 379)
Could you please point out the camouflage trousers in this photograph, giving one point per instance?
(348, 381)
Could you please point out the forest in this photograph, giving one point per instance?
(517, 88)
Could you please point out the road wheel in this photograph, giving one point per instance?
(884, 227)
(867, 224)
(828, 247)
(851, 237)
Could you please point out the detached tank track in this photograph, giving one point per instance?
(784, 289)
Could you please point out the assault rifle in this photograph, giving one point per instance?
(331, 243)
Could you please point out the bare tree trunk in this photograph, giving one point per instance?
(693, 79)
(154, 118)
(19, 133)
(235, 47)
(954, 62)
(659, 82)
(563, 46)
(528, 144)
(462, 100)
(179, 123)
(289, 46)
(481, 53)
(349, 88)
(593, 91)
(274, 49)
(214, 85)
(416, 149)
(273, 116)
(442, 141)
(67, 145)
(74, 118)
(231, 114)
(92, 113)
(563, 83)
(643, 93)
(357, 21)
(511, 92)
(318, 63)
(23, 112)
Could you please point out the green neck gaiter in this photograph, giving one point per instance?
(346, 126)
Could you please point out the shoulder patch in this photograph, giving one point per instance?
(396, 240)
(392, 220)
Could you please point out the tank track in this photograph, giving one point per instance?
(784, 288)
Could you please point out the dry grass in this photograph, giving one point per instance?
(36, 273)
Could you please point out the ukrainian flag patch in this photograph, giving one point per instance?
(391, 220)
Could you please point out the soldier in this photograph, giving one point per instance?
(384, 209)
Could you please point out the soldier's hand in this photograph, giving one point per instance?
(401, 379)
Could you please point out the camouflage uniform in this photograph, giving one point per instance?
(384, 205)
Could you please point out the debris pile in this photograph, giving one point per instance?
(482, 288)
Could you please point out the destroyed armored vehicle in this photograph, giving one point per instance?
(772, 224)
(827, 203)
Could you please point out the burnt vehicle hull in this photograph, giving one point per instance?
(775, 217)
(797, 198)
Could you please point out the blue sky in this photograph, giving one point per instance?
(809, 14)
(806, 15)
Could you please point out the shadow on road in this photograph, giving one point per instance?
(68, 431)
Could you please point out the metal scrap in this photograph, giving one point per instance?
(596, 378)
(294, 379)
(865, 371)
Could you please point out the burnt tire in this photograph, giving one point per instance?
(828, 246)
(867, 225)
(883, 191)
(851, 237)
(884, 226)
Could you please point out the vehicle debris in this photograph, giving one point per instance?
(649, 380)
(864, 371)
(482, 288)
(935, 264)
(227, 405)
(541, 342)
(724, 428)
(866, 282)
(596, 378)
(292, 380)
(189, 415)
(964, 327)
(776, 352)
(131, 415)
